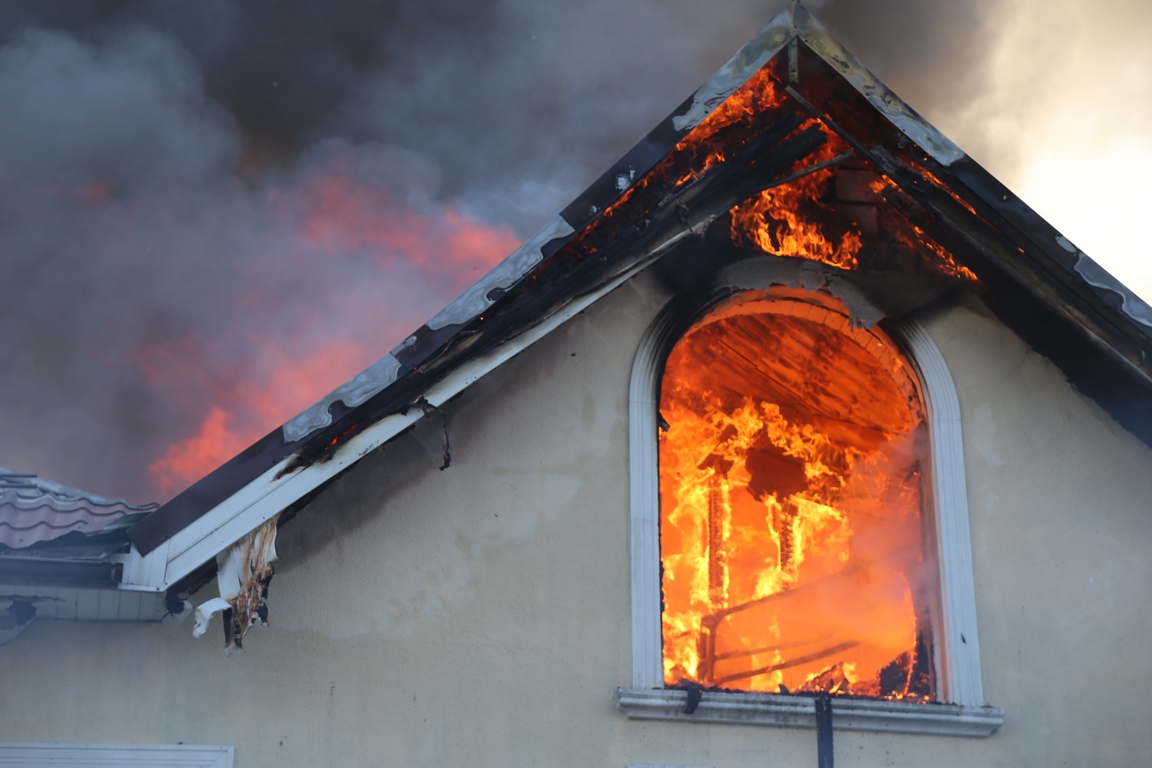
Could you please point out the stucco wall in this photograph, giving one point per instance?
(480, 615)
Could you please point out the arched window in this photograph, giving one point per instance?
(799, 521)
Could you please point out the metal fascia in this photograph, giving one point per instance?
(817, 37)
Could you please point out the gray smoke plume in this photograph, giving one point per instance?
(210, 209)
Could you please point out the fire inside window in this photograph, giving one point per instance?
(792, 493)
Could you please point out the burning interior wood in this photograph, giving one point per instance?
(791, 492)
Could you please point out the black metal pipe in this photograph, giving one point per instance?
(824, 730)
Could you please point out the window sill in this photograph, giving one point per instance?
(800, 712)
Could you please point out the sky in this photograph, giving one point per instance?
(213, 213)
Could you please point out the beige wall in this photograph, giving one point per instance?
(480, 615)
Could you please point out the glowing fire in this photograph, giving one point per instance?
(245, 410)
(757, 95)
(790, 508)
(912, 235)
(777, 221)
(792, 236)
(232, 389)
(774, 222)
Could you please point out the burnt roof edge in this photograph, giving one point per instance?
(429, 341)
(431, 337)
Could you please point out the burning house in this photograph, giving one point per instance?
(756, 432)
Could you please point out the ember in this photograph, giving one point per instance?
(790, 483)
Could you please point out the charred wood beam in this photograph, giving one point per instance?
(1104, 354)
(714, 619)
(823, 653)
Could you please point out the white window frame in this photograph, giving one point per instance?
(958, 656)
(104, 755)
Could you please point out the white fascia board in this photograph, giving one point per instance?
(268, 495)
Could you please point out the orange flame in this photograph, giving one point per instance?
(290, 365)
(244, 411)
(757, 95)
(774, 221)
(915, 237)
(790, 536)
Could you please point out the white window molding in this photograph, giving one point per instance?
(800, 712)
(105, 755)
(958, 657)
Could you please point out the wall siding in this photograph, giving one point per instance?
(480, 615)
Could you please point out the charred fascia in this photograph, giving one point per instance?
(1029, 276)
(243, 574)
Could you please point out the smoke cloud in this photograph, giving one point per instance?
(212, 213)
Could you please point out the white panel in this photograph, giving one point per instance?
(643, 397)
(959, 644)
(145, 572)
(128, 606)
(65, 606)
(110, 755)
(107, 604)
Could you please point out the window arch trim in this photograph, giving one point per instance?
(958, 660)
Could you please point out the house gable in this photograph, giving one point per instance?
(633, 217)
(481, 614)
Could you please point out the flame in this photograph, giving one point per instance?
(915, 237)
(244, 411)
(790, 535)
(937, 181)
(91, 194)
(774, 221)
(335, 214)
(232, 388)
(757, 95)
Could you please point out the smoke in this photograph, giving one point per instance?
(212, 213)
